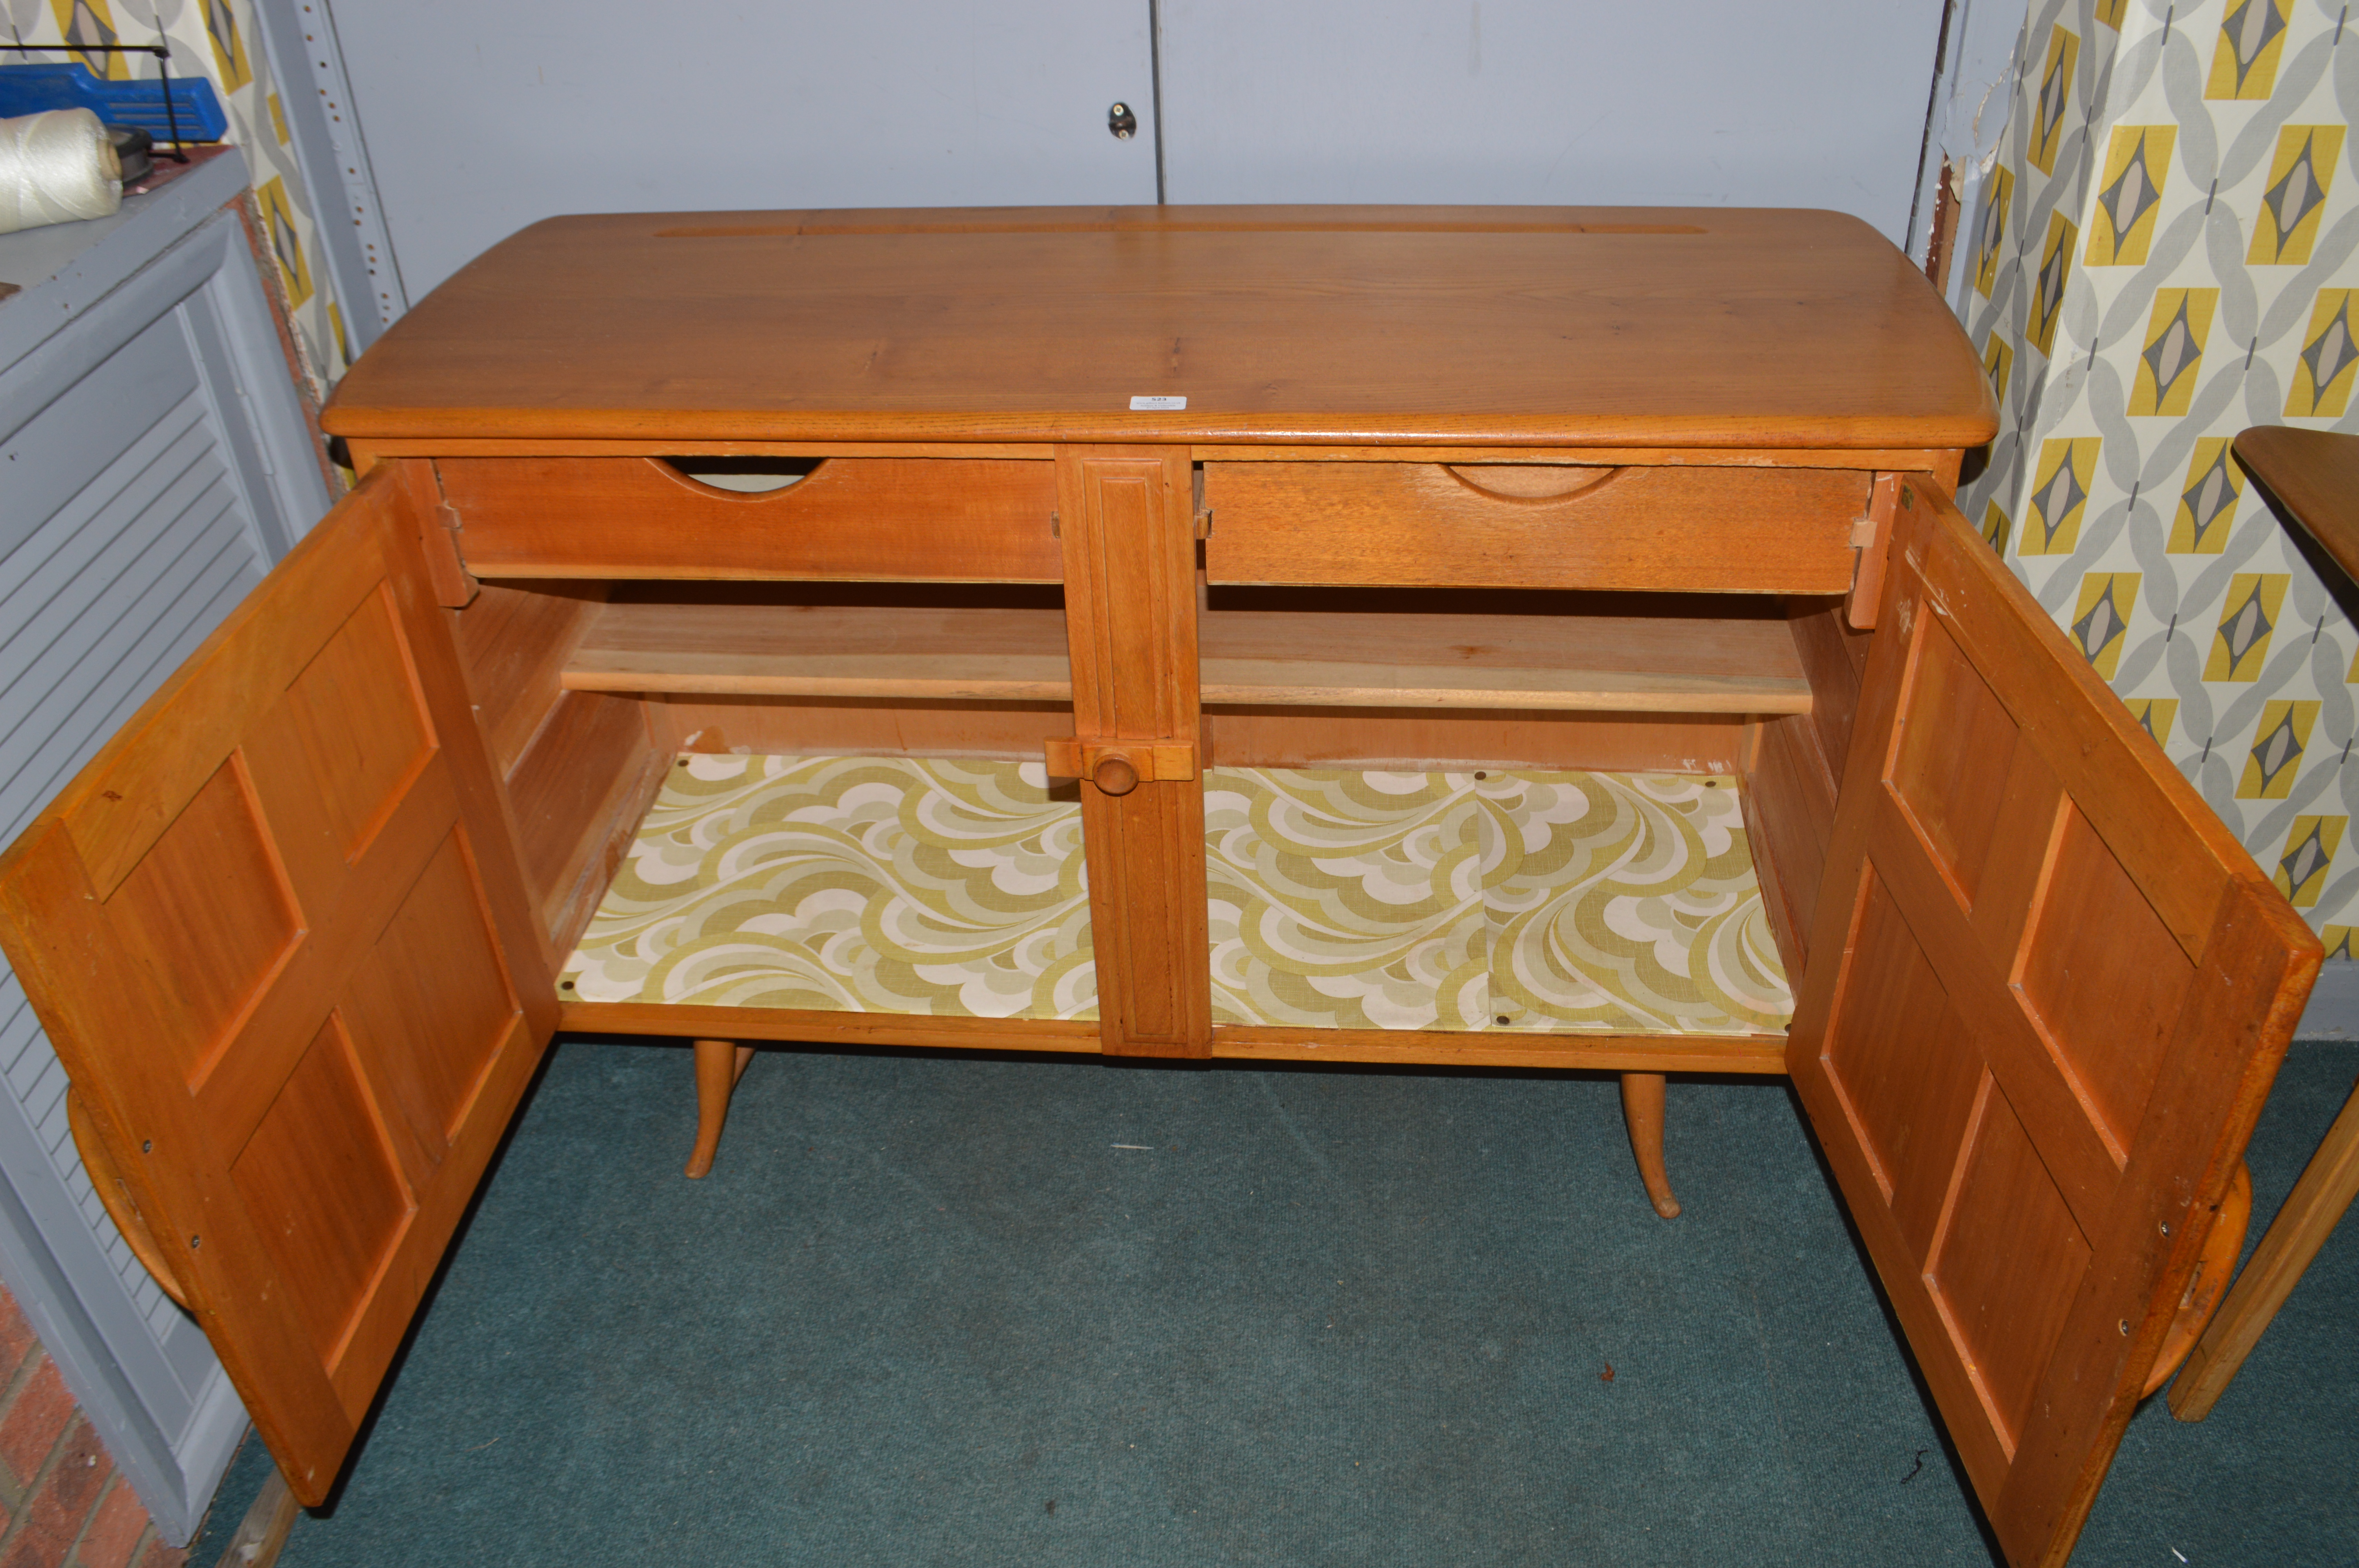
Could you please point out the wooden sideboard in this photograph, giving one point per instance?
(1145, 492)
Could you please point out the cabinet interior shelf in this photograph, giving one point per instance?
(1253, 657)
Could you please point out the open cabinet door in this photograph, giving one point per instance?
(269, 930)
(2049, 992)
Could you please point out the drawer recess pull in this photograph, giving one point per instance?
(877, 519)
(1638, 527)
(744, 476)
(1530, 481)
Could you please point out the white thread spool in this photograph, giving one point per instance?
(56, 166)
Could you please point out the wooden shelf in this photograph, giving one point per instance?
(793, 650)
(1567, 662)
(1259, 658)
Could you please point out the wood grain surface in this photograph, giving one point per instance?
(515, 639)
(1683, 530)
(855, 725)
(907, 519)
(2316, 474)
(2048, 994)
(1130, 614)
(1720, 327)
(1789, 796)
(1562, 663)
(1912, 459)
(1431, 740)
(279, 932)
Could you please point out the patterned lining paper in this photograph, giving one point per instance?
(1339, 899)
(1493, 899)
(851, 884)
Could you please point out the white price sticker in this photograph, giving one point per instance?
(1155, 405)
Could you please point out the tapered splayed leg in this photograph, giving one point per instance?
(1642, 1109)
(719, 1064)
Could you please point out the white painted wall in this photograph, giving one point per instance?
(1702, 102)
(483, 118)
(480, 119)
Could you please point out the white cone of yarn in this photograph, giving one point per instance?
(55, 167)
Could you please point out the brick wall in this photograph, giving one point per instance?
(61, 1503)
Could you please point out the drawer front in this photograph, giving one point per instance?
(1692, 530)
(877, 519)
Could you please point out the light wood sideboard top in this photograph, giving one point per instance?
(1519, 326)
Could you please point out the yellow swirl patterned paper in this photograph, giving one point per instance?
(1626, 903)
(1343, 899)
(858, 884)
(1339, 898)
(1487, 900)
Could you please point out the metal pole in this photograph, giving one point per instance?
(1155, 69)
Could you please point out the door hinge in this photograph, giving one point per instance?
(1872, 535)
(454, 587)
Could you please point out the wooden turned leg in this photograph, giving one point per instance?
(1642, 1111)
(2327, 1186)
(719, 1064)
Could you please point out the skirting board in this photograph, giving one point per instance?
(2334, 1009)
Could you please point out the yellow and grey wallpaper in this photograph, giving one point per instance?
(216, 39)
(2169, 253)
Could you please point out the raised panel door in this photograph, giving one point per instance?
(275, 930)
(2048, 994)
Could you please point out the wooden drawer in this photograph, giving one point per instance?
(905, 519)
(1712, 530)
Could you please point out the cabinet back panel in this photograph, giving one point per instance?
(1833, 655)
(578, 794)
(515, 639)
(867, 727)
(1245, 737)
(1790, 813)
(1237, 735)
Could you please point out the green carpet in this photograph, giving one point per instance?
(928, 1309)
